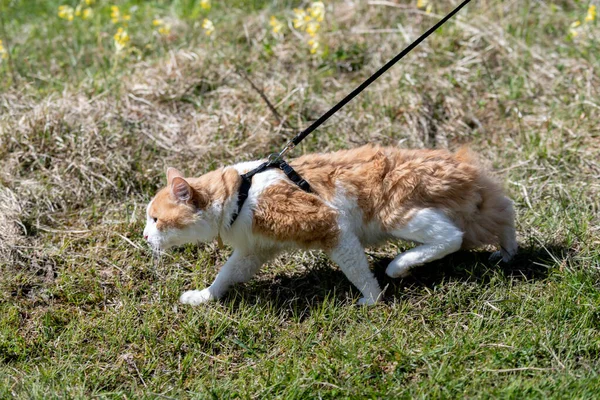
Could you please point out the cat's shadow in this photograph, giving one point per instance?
(306, 290)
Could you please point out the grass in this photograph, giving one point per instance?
(86, 134)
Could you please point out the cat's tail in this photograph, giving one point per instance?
(507, 235)
(493, 221)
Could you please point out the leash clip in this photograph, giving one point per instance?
(273, 158)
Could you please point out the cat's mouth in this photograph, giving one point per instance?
(159, 245)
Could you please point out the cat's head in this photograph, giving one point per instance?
(177, 214)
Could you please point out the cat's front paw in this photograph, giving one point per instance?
(370, 299)
(196, 297)
(366, 301)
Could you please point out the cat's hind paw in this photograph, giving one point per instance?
(503, 255)
(196, 297)
(394, 271)
(495, 257)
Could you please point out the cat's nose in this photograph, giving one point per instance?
(146, 237)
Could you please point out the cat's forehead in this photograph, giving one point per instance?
(162, 201)
(148, 207)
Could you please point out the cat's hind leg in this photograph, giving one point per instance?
(437, 234)
(349, 254)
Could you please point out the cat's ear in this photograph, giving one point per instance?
(173, 173)
(180, 189)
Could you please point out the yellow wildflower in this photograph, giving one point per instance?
(115, 14)
(429, 8)
(300, 18)
(87, 13)
(89, 2)
(314, 45)
(208, 26)
(65, 12)
(422, 3)
(591, 14)
(165, 30)
(317, 11)
(205, 4)
(573, 29)
(121, 39)
(312, 28)
(275, 24)
(3, 53)
(78, 11)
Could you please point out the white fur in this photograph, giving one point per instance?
(430, 227)
(349, 254)
(351, 219)
(437, 233)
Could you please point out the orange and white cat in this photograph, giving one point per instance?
(361, 197)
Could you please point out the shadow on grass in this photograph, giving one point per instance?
(308, 289)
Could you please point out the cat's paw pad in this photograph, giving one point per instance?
(196, 297)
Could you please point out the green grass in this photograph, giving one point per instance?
(86, 134)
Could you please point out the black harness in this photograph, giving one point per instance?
(244, 189)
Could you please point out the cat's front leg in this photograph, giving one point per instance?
(240, 267)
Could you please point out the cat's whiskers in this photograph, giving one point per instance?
(156, 253)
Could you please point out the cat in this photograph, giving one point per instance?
(362, 197)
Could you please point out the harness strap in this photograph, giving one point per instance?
(247, 182)
(293, 176)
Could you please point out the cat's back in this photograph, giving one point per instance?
(376, 168)
(365, 156)
(389, 184)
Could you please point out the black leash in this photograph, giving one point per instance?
(275, 159)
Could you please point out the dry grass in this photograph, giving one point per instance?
(81, 297)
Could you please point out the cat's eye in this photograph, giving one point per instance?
(154, 219)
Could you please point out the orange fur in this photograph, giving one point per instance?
(389, 186)
(285, 213)
(170, 213)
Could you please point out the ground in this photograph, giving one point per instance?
(86, 133)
